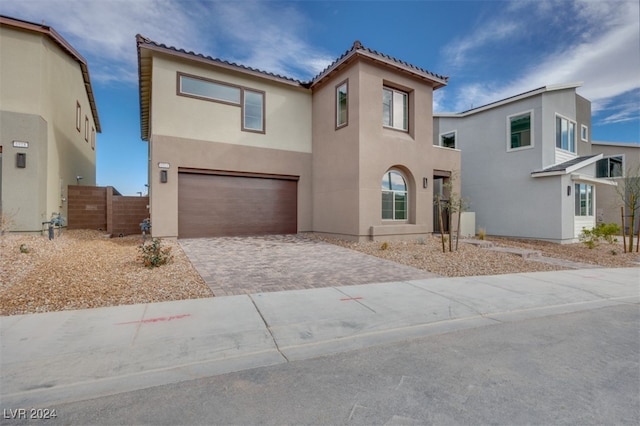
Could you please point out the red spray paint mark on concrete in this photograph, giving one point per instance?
(159, 319)
(351, 298)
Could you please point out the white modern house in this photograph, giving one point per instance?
(528, 169)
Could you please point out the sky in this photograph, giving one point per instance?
(490, 50)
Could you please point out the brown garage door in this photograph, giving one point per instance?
(219, 205)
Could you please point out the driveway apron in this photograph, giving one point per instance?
(257, 264)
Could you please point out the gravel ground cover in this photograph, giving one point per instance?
(85, 269)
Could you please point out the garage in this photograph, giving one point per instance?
(214, 205)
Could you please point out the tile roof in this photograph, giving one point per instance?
(141, 40)
(358, 48)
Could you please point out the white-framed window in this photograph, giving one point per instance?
(395, 109)
(78, 116)
(86, 128)
(394, 196)
(253, 111)
(93, 138)
(610, 167)
(584, 133)
(251, 101)
(565, 134)
(520, 131)
(448, 140)
(584, 199)
(342, 104)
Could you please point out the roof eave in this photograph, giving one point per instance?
(69, 49)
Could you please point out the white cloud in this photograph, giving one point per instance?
(258, 34)
(601, 48)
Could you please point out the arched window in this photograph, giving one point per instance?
(394, 196)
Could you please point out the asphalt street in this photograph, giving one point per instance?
(572, 368)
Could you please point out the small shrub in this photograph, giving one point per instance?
(421, 241)
(482, 233)
(154, 255)
(384, 246)
(24, 248)
(602, 231)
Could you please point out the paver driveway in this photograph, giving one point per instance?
(240, 265)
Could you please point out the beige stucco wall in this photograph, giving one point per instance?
(287, 109)
(349, 163)
(40, 79)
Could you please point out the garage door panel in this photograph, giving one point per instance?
(214, 205)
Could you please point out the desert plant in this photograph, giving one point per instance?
(602, 231)
(482, 233)
(153, 254)
(24, 248)
(384, 246)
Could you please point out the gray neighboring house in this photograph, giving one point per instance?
(528, 169)
(619, 159)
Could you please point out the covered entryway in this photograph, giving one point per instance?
(217, 204)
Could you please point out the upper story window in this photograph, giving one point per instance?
(252, 102)
(584, 133)
(395, 111)
(448, 140)
(209, 89)
(253, 111)
(520, 134)
(86, 128)
(78, 116)
(565, 134)
(610, 167)
(394, 196)
(342, 104)
(93, 138)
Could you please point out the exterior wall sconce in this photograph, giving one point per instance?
(163, 176)
(21, 160)
(568, 190)
(425, 182)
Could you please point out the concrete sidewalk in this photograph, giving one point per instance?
(57, 357)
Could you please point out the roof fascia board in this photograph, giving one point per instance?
(584, 163)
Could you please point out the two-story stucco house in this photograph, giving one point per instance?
(48, 123)
(527, 164)
(238, 151)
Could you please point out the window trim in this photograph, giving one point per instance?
(531, 132)
(179, 91)
(240, 103)
(575, 137)
(393, 90)
(78, 116)
(393, 193)
(338, 86)
(589, 200)
(584, 133)
(86, 128)
(93, 138)
(455, 139)
(608, 158)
